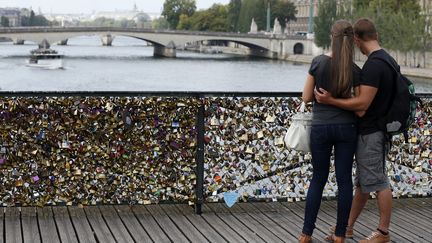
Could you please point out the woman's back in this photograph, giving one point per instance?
(326, 114)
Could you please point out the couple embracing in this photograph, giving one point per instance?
(348, 103)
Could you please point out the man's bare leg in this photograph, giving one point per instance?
(385, 209)
(359, 201)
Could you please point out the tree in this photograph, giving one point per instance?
(327, 14)
(172, 9)
(160, 24)
(234, 8)
(213, 19)
(359, 4)
(252, 9)
(4, 21)
(185, 22)
(284, 11)
(406, 7)
(398, 22)
(34, 20)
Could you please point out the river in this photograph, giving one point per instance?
(129, 65)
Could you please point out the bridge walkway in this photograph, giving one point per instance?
(245, 222)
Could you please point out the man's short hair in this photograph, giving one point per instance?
(365, 29)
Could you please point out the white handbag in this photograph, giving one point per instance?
(298, 134)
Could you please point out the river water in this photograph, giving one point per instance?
(129, 65)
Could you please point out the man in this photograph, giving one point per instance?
(374, 97)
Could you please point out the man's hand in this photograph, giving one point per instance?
(323, 97)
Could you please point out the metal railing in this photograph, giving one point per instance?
(155, 147)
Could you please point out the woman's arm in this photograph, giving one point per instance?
(308, 90)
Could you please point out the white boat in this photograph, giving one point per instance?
(46, 58)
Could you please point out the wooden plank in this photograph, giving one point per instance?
(13, 225)
(361, 230)
(47, 226)
(411, 217)
(220, 227)
(233, 223)
(288, 219)
(115, 225)
(291, 221)
(138, 233)
(188, 229)
(29, 224)
(268, 223)
(64, 224)
(100, 228)
(241, 214)
(297, 208)
(150, 225)
(370, 217)
(166, 224)
(207, 229)
(81, 225)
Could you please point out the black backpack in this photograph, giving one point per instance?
(402, 109)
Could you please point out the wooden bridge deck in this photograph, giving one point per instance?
(245, 222)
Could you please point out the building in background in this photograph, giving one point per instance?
(301, 25)
(13, 15)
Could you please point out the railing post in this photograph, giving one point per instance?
(200, 158)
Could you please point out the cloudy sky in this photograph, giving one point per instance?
(87, 6)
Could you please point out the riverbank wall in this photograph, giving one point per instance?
(424, 70)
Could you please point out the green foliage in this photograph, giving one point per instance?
(252, 9)
(284, 11)
(406, 7)
(327, 14)
(4, 21)
(234, 8)
(359, 4)
(185, 22)
(213, 19)
(108, 22)
(399, 23)
(172, 9)
(160, 24)
(34, 20)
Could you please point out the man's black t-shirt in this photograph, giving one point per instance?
(380, 75)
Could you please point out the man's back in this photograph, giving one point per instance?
(380, 75)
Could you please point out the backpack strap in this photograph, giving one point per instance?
(388, 63)
(414, 97)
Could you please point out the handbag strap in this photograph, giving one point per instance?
(302, 107)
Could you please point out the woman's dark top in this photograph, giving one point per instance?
(328, 114)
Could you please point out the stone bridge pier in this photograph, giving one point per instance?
(107, 39)
(18, 41)
(63, 42)
(263, 53)
(165, 51)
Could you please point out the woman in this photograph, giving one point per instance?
(332, 127)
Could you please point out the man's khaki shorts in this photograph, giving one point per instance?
(371, 175)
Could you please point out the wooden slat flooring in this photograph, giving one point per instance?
(244, 222)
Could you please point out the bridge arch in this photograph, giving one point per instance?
(298, 48)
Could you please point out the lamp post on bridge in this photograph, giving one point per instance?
(311, 13)
(268, 16)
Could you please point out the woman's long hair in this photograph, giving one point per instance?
(342, 59)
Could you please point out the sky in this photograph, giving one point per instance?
(87, 6)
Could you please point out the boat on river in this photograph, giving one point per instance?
(46, 58)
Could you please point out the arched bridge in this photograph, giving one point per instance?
(166, 42)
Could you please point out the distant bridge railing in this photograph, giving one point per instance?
(138, 30)
(154, 147)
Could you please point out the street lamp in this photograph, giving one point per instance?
(268, 16)
(311, 13)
